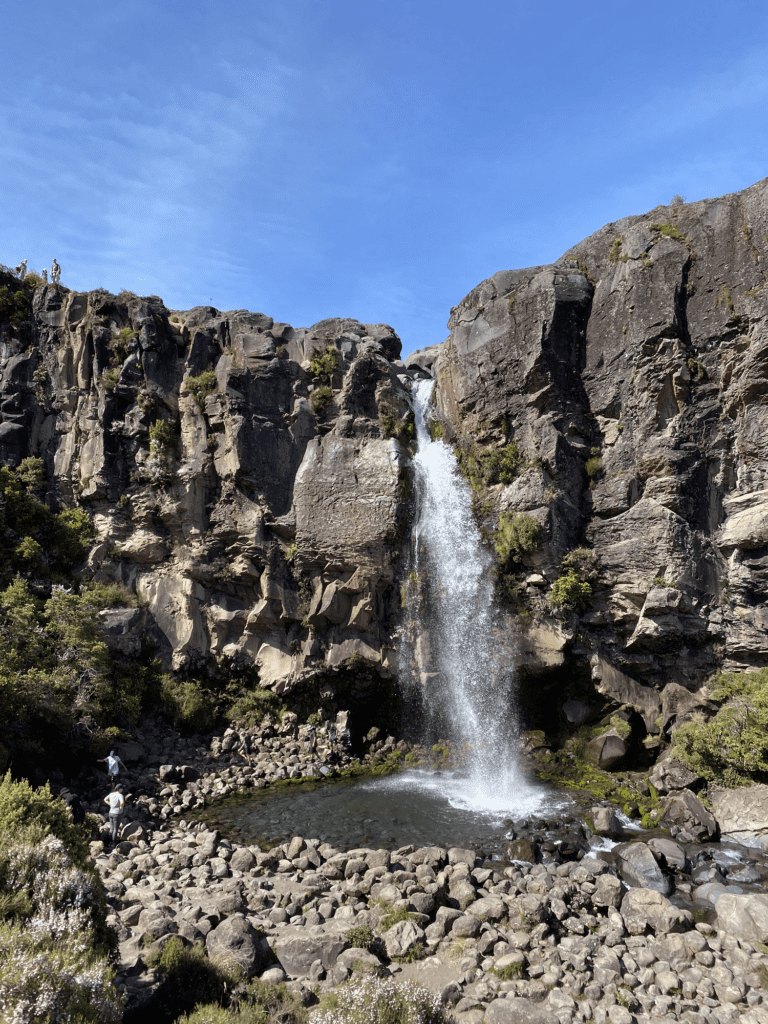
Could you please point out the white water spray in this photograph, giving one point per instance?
(464, 664)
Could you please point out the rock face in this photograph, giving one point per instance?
(254, 500)
(632, 373)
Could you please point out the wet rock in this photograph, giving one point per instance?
(688, 812)
(671, 854)
(638, 867)
(522, 850)
(606, 822)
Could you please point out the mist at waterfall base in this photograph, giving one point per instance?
(456, 653)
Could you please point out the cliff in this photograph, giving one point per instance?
(631, 375)
(247, 480)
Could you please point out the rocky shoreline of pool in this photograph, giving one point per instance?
(667, 925)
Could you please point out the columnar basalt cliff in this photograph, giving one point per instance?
(247, 480)
(632, 375)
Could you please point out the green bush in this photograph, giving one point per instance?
(518, 535)
(190, 707)
(324, 363)
(202, 386)
(321, 398)
(252, 705)
(31, 475)
(110, 378)
(187, 978)
(570, 592)
(731, 748)
(484, 468)
(361, 937)
(162, 438)
(260, 1003)
(15, 306)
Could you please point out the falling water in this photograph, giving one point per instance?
(462, 656)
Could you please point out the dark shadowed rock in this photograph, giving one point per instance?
(638, 867)
(235, 940)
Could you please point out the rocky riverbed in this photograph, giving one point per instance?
(654, 927)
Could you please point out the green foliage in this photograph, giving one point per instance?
(583, 561)
(518, 534)
(187, 977)
(593, 466)
(435, 428)
(661, 581)
(260, 1003)
(725, 299)
(496, 465)
(731, 748)
(570, 592)
(31, 474)
(395, 915)
(15, 306)
(361, 937)
(24, 807)
(391, 426)
(61, 539)
(253, 705)
(321, 398)
(202, 386)
(190, 707)
(110, 378)
(162, 438)
(512, 972)
(615, 252)
(324, 363)
(371, 1000)
(670, 230)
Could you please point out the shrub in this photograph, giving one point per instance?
(615, 252)
(110, 378)
(162, 438)
(321, 398)
(484, 468)
(15, 306)
(31, 474)
(361, 937)
(190, 707)
(518, 534)
(569, 592)
(260, 1003)
(583, 562)
(324, 363)
(371, 1000)
(202, 386)
(398, 913)
(732, 748)
(253, 705)
(593, 466)
(187, 977)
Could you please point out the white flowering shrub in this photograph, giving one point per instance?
(382, 1001)
(54, 966)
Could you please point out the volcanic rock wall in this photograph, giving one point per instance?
(255, 504)
(645, 350)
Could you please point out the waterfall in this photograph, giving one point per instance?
(460, 655)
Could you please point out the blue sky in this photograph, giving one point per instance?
(368, 159)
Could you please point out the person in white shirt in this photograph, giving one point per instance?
(114, 764)
(116, 802)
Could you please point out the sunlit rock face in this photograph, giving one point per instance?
(645, 350)
(254, 503)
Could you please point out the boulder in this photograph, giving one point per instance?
(606, 750)
(521, 850)
(402, 937)
(645, 910)
(670, 854)
(518, 1011)
(605, 822)
(297, 953)
(668, 774)
(685, 809)
(744, 916)
(741, 813)
(242, 860)
(639, 867)
(235, 940)
(466, 927)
